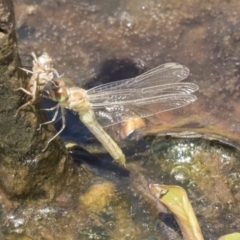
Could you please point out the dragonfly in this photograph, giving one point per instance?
(42, 72)
(155, 91)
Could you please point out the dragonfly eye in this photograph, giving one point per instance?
(55, 85)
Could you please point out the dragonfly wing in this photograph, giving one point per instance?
(133, 95)
(155, 91)
(163, 74)
(116, 113)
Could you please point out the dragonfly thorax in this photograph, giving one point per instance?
(78, 100)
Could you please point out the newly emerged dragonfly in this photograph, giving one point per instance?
(155, 91)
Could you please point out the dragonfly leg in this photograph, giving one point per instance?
(52, 120)
(23, 106)
(62, 128)
(50, 109)
(34, 57)
(24, 90)
(32, 94)
(26, 70)
(56, 73)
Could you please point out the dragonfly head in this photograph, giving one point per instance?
(58, 91)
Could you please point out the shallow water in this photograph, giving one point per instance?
(99, 41)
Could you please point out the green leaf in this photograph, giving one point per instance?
(176, 200)
(233, 236)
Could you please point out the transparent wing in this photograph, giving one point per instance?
(114, 113)
(156, 91)
(163, 74)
